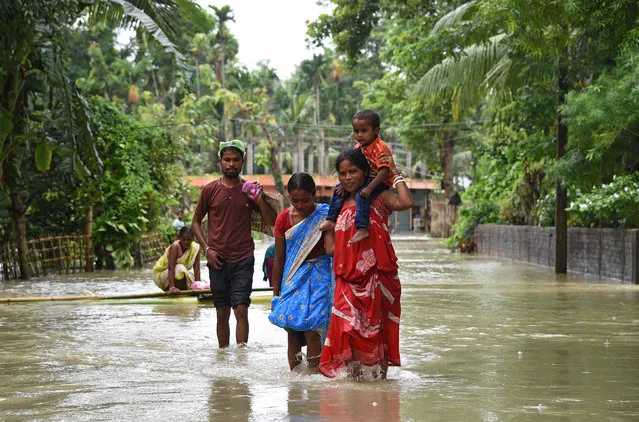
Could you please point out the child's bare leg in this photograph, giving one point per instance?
(362, 233)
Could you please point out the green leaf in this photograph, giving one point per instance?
(195, 14)
(43, 155)
(6, 124)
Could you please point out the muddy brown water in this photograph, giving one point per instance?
(481, 340)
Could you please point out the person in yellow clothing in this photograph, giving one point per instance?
(179, 267)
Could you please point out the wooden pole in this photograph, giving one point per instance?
(107, 297)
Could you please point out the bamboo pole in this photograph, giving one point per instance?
(107, 297)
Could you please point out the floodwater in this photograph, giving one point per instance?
(481, 340)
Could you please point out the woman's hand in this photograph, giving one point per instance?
(173, 290)
(387, 158)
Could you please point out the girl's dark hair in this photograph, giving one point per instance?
(186, 230)
(356, 157)
(303, 181)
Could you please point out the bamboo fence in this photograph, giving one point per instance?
(66, 254)
(61, 254)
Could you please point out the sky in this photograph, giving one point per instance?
(273, 30)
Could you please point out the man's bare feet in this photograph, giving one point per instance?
(327, 225)
(361, 234)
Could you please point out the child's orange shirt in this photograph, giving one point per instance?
(372, 153)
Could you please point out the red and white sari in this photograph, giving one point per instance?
(364, 324)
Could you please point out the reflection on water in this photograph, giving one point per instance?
(481, 340)
(357, 402)
(230, 400)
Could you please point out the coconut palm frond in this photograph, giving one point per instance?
(451, 18)
(157, 21)
(463, 79)
(105, 13)
(193, 12)
(498, 76)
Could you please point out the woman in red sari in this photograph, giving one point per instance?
(363, 335)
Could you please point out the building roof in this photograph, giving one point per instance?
(323, 183)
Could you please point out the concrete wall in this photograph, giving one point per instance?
(607, 253)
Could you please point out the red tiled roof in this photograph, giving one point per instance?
(322, 182)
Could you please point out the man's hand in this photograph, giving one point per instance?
(366, 192)
(214, 259)
(339, 191)
(255, 192)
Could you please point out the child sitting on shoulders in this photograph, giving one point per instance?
(377, 152)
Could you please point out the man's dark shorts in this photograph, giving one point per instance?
(233, 283)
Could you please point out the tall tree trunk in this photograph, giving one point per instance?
(89, 232)
(197, 78)
(275, 165)
(317, 102)
(222, 80)
(561, 197)
(446, 161)
(20, 221)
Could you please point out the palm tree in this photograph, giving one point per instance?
(40, 107)
(316, 69)
(223, 15)
(201, 50)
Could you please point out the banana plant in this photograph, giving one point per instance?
(41, 109)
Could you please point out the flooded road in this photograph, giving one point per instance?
(481, 340)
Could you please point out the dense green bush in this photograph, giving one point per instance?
(141, 179)
(615, 204)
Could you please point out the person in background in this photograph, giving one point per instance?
(267, 265)
(179, 267)
(229, 247)
(363, 335)
(178, 223)
(366, 131)
(302, 272)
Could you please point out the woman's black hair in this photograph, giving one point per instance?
(302, 181)
(186, 230)
(356, 157)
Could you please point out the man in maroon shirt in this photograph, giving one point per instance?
(230, 247)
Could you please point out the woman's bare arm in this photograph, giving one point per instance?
(329, 242)
(278, 264)
(401, 201)
(196, 267)
(173, 256)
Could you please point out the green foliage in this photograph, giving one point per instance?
(479, 212)
(604, 121)
(141, 172)
(613, 205)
